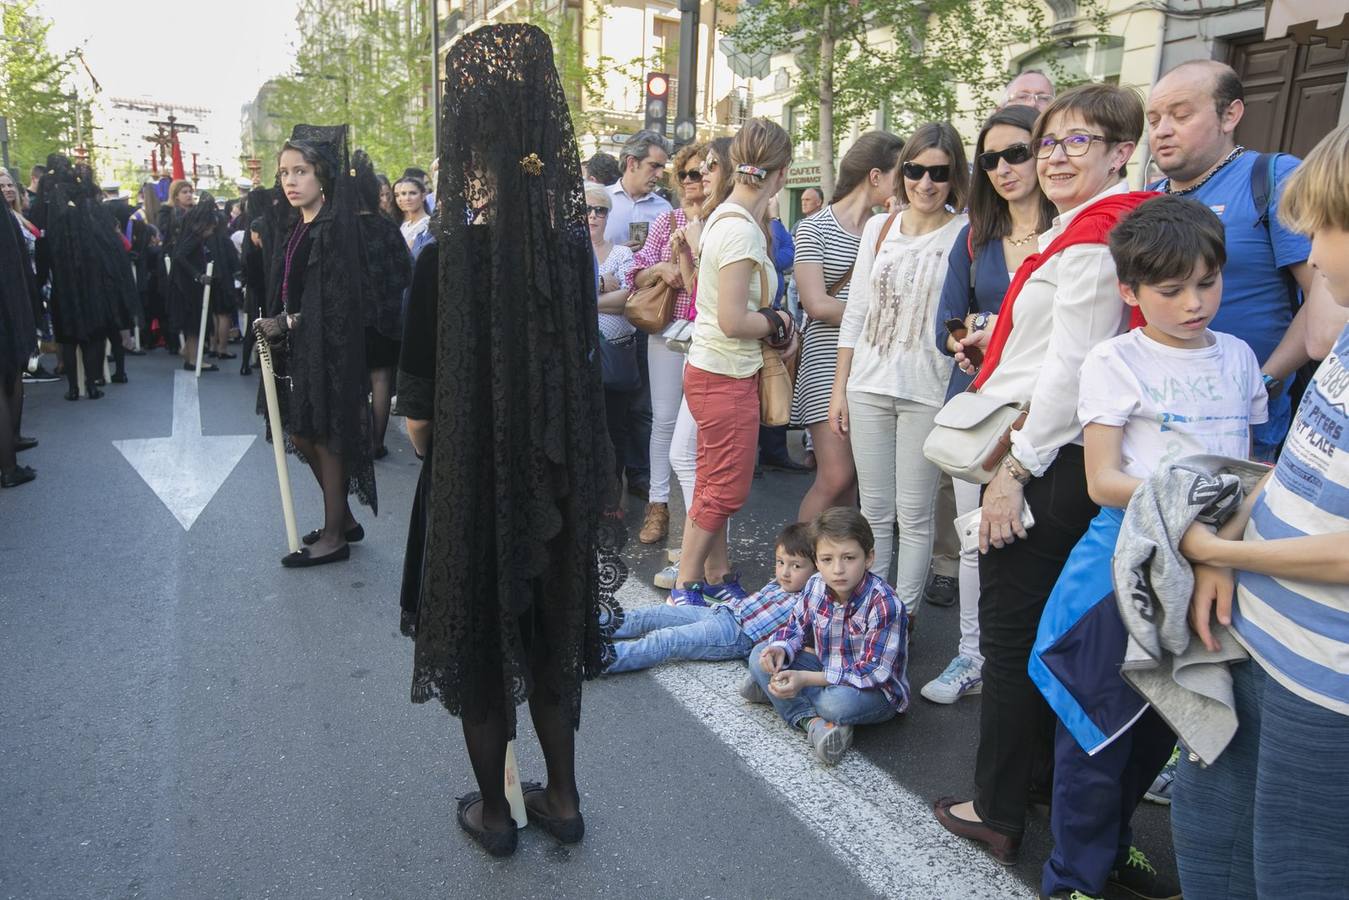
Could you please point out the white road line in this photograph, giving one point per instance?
(877, 827)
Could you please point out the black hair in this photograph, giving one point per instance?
(797, 540)
(990, 220)
(843, 523)
(1167, 238)
(603, 168)
(323, 169)
(873, 150)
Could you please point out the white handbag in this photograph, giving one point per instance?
(973, 432)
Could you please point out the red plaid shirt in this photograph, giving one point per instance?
(862, 643)
(657, 250)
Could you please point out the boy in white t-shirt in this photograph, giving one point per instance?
(1147, 398)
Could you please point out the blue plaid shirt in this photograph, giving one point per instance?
(862, 643)
(763, 612)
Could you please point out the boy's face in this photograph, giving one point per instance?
(1179, 310)
(1330, 257)
(842, 565)
(792, 571)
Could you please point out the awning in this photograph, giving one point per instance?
(1303, 20)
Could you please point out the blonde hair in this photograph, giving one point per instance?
(763, 144)
(598, 196)
(1317, 194)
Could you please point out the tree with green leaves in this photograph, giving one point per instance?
(42, 114)
(845, 75)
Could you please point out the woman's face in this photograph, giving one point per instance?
(186, 197)
(8, 189)
(712, 176)
(691, 180)
(1012, 182)
(1069, 181)
(386, 196)
(885, 186)
(299, 180)
(409, 197)
(925, 194)
(597, 217)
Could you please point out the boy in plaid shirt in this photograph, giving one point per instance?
(651, 635)
(842, 657)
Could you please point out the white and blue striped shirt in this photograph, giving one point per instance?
(1299, 630)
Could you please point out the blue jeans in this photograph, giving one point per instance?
(677, 632)
(1267, 818)
(841, 704)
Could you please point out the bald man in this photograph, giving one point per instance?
(1031, 88)
(1193, 113)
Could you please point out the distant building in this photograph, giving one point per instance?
(126, 129)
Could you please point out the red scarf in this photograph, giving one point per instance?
(1091, 226)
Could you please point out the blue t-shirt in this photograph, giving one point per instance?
(1256, 305)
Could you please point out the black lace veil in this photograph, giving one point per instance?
(385, 261)
(521, 556)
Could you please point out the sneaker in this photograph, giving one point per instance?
(962, 676)
(1138, 878)
(941, 590)
(729, 589)
(672, 555)
(691, 594)
(1070, 895)
(666, 577)
(656, 524)
(1160, 792)
(750, 690)
(829, 741)
(40, 376)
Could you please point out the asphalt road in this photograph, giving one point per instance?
(181, 717)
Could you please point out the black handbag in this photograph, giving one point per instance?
(618, 363)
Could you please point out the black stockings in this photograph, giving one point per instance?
(331, 473)
(118, 354)
(486, 743)
(11, 408)
(92, 351)
(381, 387)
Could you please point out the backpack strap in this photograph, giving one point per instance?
(766, 299)
(1262, 196)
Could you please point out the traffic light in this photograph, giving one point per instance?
(657, 102)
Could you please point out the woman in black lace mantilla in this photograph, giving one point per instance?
(319, 332)
(499, 379)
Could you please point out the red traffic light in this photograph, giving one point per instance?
(657, 85)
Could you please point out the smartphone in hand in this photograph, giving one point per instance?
(956, 328)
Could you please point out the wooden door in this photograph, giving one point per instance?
(1294, 92)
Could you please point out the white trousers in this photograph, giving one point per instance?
(666, 368)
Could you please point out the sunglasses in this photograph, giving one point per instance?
(915, 172)
(689, 175)
(601, 211)
(1015, 156)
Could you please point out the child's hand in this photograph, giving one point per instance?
(773, 659)
(1212, 596)
(786, 684)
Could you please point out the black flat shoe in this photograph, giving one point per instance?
(496, 843)
(24, 443)
(301, 559)
(227, 356)
(135, 353)
(354, 535)
(245, 370)
(567, 831)
(205, 367)
(119, 378)
(20, 475)
(99, 382)
(381, 452)
(93, 393)
(72, 394)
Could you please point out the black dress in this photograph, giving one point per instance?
(19, 298)
(387, 271)
(416, 400)
(185, 290)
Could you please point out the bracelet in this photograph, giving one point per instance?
(778, 335)
(1016, 470)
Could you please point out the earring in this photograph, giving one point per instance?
(1112, 170)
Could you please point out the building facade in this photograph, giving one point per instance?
(127, 127)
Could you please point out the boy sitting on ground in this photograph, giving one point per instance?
(653, 634)
(841, 659)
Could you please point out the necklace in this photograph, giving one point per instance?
(292, 245)
(1181, 192)
(1021, 242)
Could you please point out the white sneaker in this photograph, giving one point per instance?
(672, 555)
(829, 741)
(666, 577)
(962, 677)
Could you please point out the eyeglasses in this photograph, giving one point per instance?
(915, 172)
(1073, 145)
(601, 211)
(1029, 97)
(689, 175)
(1015, 155)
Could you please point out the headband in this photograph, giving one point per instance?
(754, 171)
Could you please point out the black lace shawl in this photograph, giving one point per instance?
(386, 262)
(18, 294)
(81, 251)
(520, 553)
(326, 396)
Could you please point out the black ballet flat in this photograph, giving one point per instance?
(245, 369)
(301, 559)
(353, 536)
(496, 843)
(381, 452)
(205, 367)
(99, 382)
(72, 394)
(227, 356)
(24, 443)
(135, 353)
(119, 378)
(92, 392)
(20, 475)
(566, 831)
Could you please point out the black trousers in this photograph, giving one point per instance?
(1016, 725)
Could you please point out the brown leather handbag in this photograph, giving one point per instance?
(652, 307)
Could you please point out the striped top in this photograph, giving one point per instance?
(1299, 630)
(821, 240)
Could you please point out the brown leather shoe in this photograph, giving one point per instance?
(1003, 848)
(656, 523)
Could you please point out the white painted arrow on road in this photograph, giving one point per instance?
(186, 469)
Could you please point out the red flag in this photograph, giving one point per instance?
(178, 172)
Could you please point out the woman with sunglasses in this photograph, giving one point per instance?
(1008, 211)
(891, 381)
(657, 260)
(1066, 300)
(613, 269)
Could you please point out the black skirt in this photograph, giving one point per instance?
(381, 352)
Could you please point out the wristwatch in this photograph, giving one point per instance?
(980, 321)
(1273, 386)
